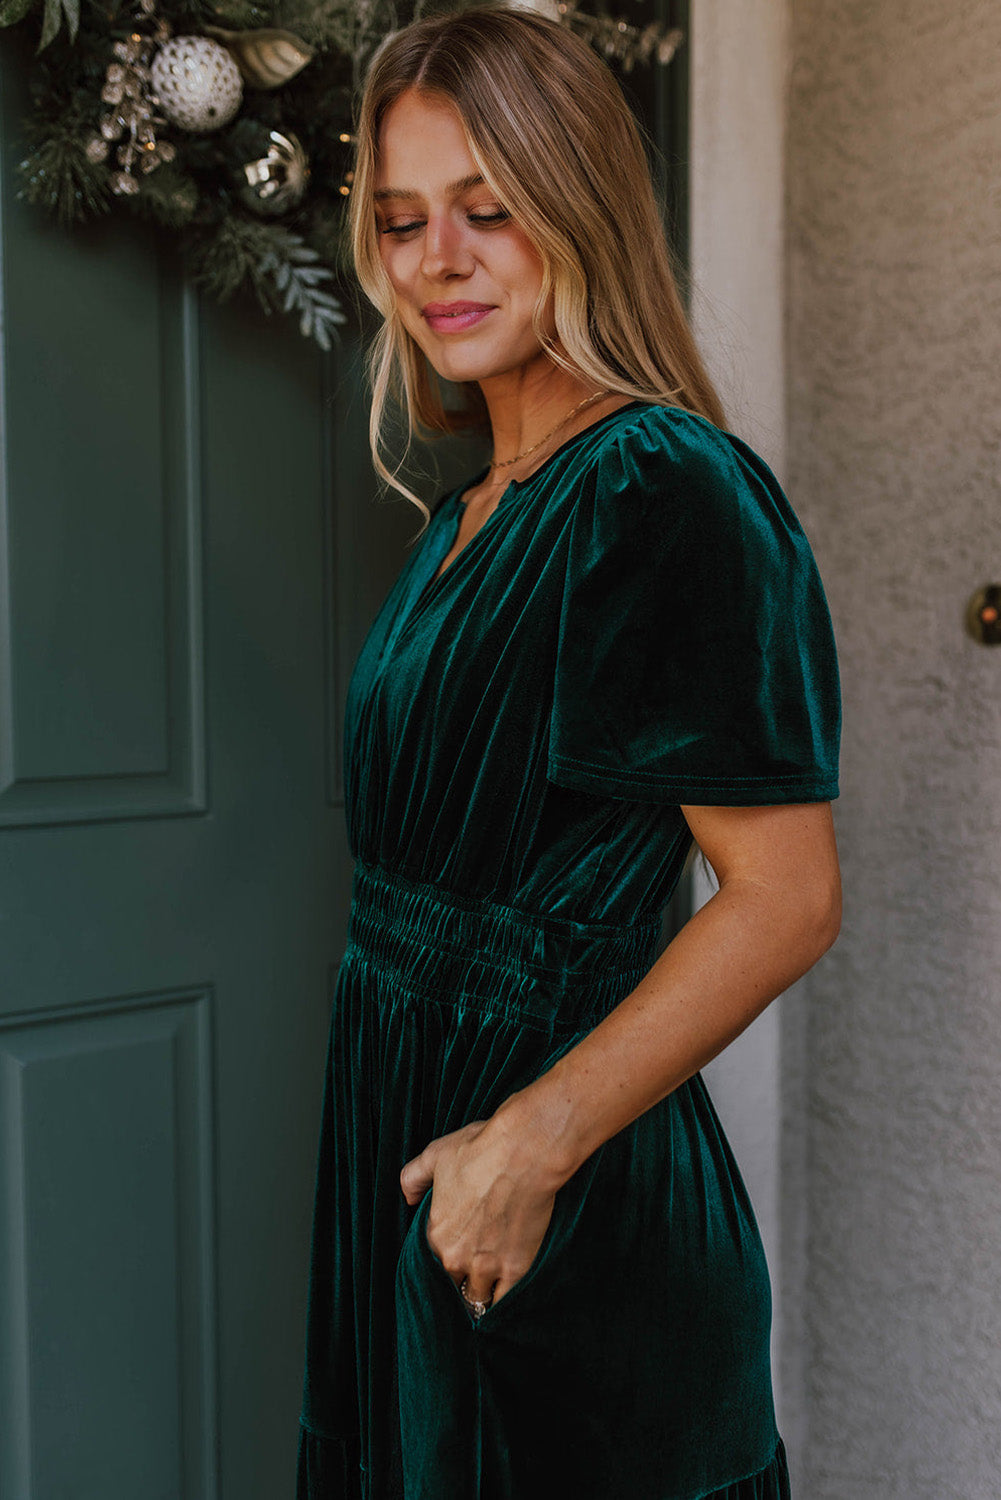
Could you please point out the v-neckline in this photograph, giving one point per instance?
(458, 505)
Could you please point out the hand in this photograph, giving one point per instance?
(490, 1208)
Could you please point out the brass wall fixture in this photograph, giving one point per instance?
(983, 615)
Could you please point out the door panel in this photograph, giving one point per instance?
(191, 551)
(99, 442)
(109, 1325)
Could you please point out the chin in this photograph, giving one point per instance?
(462, 372)
(464, 365)
(451, 365)
(464, 359)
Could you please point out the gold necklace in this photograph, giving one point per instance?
(588, 401)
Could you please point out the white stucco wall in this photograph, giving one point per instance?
(739, 66)
(865, 1106)
(894, 264)
(738, 63)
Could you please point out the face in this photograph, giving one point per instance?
(466, 277)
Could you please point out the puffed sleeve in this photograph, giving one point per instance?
(696, 658)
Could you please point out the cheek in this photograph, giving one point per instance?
(524, 276)
(388, 254)
(398, 273)
(528, 285)
(529, 260)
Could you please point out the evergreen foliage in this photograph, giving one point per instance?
(198, 187)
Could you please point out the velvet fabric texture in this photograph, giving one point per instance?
(638, 625)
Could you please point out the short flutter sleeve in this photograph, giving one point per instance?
(696, 659)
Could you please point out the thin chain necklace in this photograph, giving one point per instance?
(588, 401)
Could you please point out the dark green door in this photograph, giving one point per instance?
(190, 553)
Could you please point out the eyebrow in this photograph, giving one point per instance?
(455, 188)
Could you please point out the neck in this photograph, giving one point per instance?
(525, 404)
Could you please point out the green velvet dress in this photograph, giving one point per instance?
(638, 625)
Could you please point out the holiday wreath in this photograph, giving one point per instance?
(228, 124)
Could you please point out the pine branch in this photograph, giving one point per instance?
(168, 195)
(57, 174)
(327, 232)
(278, 266)
(327, 24)
(223, 257)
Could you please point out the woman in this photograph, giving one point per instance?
(535, 1269)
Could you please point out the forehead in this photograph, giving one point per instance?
(422, 145)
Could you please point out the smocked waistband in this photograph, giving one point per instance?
(534, 967)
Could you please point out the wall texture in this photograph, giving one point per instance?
(739, 64)
(894, 348)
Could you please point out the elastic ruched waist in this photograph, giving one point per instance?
(531, 967)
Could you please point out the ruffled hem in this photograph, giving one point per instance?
(327, 1468)
(330, 1469)
(769, 1483)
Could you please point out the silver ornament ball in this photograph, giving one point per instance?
(197, 83)
(277, 180)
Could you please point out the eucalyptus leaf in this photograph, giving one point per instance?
(50, 23)
(54, 12)
(12, 11)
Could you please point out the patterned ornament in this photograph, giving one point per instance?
(197, 84)
(277, 180)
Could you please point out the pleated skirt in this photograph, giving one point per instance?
(631, 1360)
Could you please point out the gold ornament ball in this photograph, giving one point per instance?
(278, 180)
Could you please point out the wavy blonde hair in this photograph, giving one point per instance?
(554, 138)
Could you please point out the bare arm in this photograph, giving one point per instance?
(778, 908)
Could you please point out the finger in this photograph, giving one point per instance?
(417, 1174)
(476, 1291)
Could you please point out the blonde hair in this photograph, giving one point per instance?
(554, 138)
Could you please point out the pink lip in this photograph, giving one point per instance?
(445, 317)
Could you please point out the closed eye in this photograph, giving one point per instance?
(487, 219)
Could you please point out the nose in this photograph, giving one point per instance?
(445, 250)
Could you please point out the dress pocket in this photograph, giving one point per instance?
(418, 1236)
(556, 1245)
